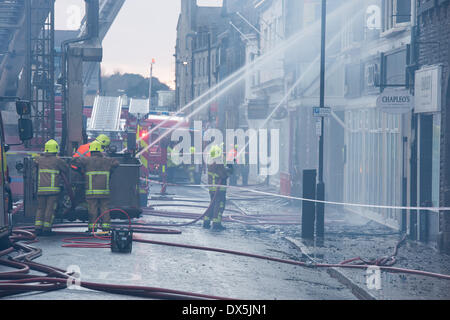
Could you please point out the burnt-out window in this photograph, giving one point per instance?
(396, 12)
(403, 11)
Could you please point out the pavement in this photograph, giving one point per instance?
(349, 235)
(245, 278)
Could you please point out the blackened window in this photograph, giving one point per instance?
(403, 11)
(396, 12)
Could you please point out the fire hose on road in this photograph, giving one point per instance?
(21, 281)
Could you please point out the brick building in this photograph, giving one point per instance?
(432, 49)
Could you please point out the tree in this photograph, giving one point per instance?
(133, 85)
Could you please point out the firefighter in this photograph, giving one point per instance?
(171, 167)
(192, 167)
(217, 177)
(232, 158)
(77, 176)
(50, 167)
(83, 151)
(243, 166)
(97, 172)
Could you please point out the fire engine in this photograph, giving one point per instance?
(155, 158)
(25, 134)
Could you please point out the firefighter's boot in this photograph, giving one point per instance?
(47, 232)
(217, 226)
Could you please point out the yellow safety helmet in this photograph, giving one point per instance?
(51, 147)
(95, 147)
(215, 152)
(104, 140)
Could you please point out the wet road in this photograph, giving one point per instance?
(197, 271)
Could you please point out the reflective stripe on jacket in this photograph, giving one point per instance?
(83, 151)
(49, 169)
(43, 186)
(102, 179)
(97, 170)
(170, 163)
(217, 175)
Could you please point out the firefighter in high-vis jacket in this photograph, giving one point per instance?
(97, 172)
(232, 157)
(217, 180)
(50, 167)
(84, 152)
(171, 166)
(191, 167)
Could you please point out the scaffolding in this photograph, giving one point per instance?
(40, 67)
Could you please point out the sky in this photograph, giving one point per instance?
(143, 30)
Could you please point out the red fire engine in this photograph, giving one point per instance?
(154, 158)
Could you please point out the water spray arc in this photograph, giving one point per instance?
(240, 75)
(289, 92)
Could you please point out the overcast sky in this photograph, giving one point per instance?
(144, 29)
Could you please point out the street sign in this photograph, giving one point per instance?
(319, 128)
(321, 112)
(395, 101)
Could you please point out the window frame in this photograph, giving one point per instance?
(389, 18)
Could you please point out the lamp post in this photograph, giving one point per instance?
(150, 85)
(320, 207)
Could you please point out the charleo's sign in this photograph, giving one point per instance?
(395, 101)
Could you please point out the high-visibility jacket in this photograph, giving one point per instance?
(170, 163)
(217, 175)
(232, 156)
(97, 170)
(83, 151)
(49, 169)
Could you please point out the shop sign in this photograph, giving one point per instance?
(427, 89)
(395, 101)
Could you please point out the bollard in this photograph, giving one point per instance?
(308, 207)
